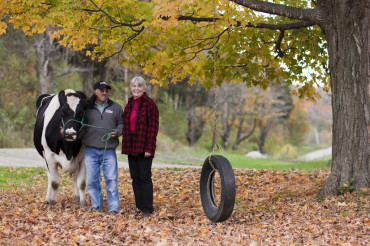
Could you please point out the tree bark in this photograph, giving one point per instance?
(346, 26)
(44, 49)
(88, 76)
(92, 71)
(347, 31)
(195, 126)
(239, 136)
(226, 124)
(264, 130)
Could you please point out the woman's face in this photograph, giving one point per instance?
(137, 90)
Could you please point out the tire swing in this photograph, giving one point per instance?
(217, 180)
(218, 201)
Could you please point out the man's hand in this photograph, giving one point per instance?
(147, 154)
(113, 134)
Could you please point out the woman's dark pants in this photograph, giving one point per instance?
(141, 175)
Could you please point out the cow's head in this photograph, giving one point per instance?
(73, 105)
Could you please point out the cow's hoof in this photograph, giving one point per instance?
(83, 204)
(77, 198)
(51, 202)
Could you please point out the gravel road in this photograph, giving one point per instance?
(28, 157)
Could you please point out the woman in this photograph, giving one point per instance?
(140, 129)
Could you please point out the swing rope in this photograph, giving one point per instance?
(217, 200)
(214, 86)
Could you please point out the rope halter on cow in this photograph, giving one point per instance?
(104, 138)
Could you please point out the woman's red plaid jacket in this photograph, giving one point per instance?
(146, 130)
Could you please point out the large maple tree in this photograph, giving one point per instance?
(306, 43)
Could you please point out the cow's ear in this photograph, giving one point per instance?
(81, 94)
(65, 109)
(62, 97)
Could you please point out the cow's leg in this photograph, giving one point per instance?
(53, 183)
(80, 186)
(48, 193)
(77, 191)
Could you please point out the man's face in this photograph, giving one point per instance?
(101, 95)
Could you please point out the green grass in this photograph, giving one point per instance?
(11, 177)
(237, 161)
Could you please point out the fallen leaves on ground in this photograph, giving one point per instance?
(272, 208)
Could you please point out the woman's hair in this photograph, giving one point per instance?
(139, 80)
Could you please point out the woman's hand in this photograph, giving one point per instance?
(147, 154)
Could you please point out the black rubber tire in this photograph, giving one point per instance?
(223, 210)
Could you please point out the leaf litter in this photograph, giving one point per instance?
(272, 208)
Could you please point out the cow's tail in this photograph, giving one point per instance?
(47, 165)
(41, 101)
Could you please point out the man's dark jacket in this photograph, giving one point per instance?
(106, 122)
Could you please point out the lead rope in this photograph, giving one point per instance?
(104, 139)
(214, 85)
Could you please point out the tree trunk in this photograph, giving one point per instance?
(348, 36)
(195, 126)
(317, 139)
(91, 70)
(88, 65)
(226, 125)
(239, 133)
(88, 77)
(127, 83)
(264, 130)
(43, 45)
(239, 136)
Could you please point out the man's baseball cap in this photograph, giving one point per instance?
(101, 84)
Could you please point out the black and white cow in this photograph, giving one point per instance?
(66, 109)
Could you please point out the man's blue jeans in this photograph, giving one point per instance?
(93, 159)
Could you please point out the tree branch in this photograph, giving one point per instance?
(112, 19)
(72, 70)
(280, 27)
(195, 19)
(240, 139)
(278, 50)
(281, 10)
(209, 48)
(295, 25)
(131, 37)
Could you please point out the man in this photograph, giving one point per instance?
(105, 117)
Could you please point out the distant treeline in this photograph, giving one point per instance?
(271, 120)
